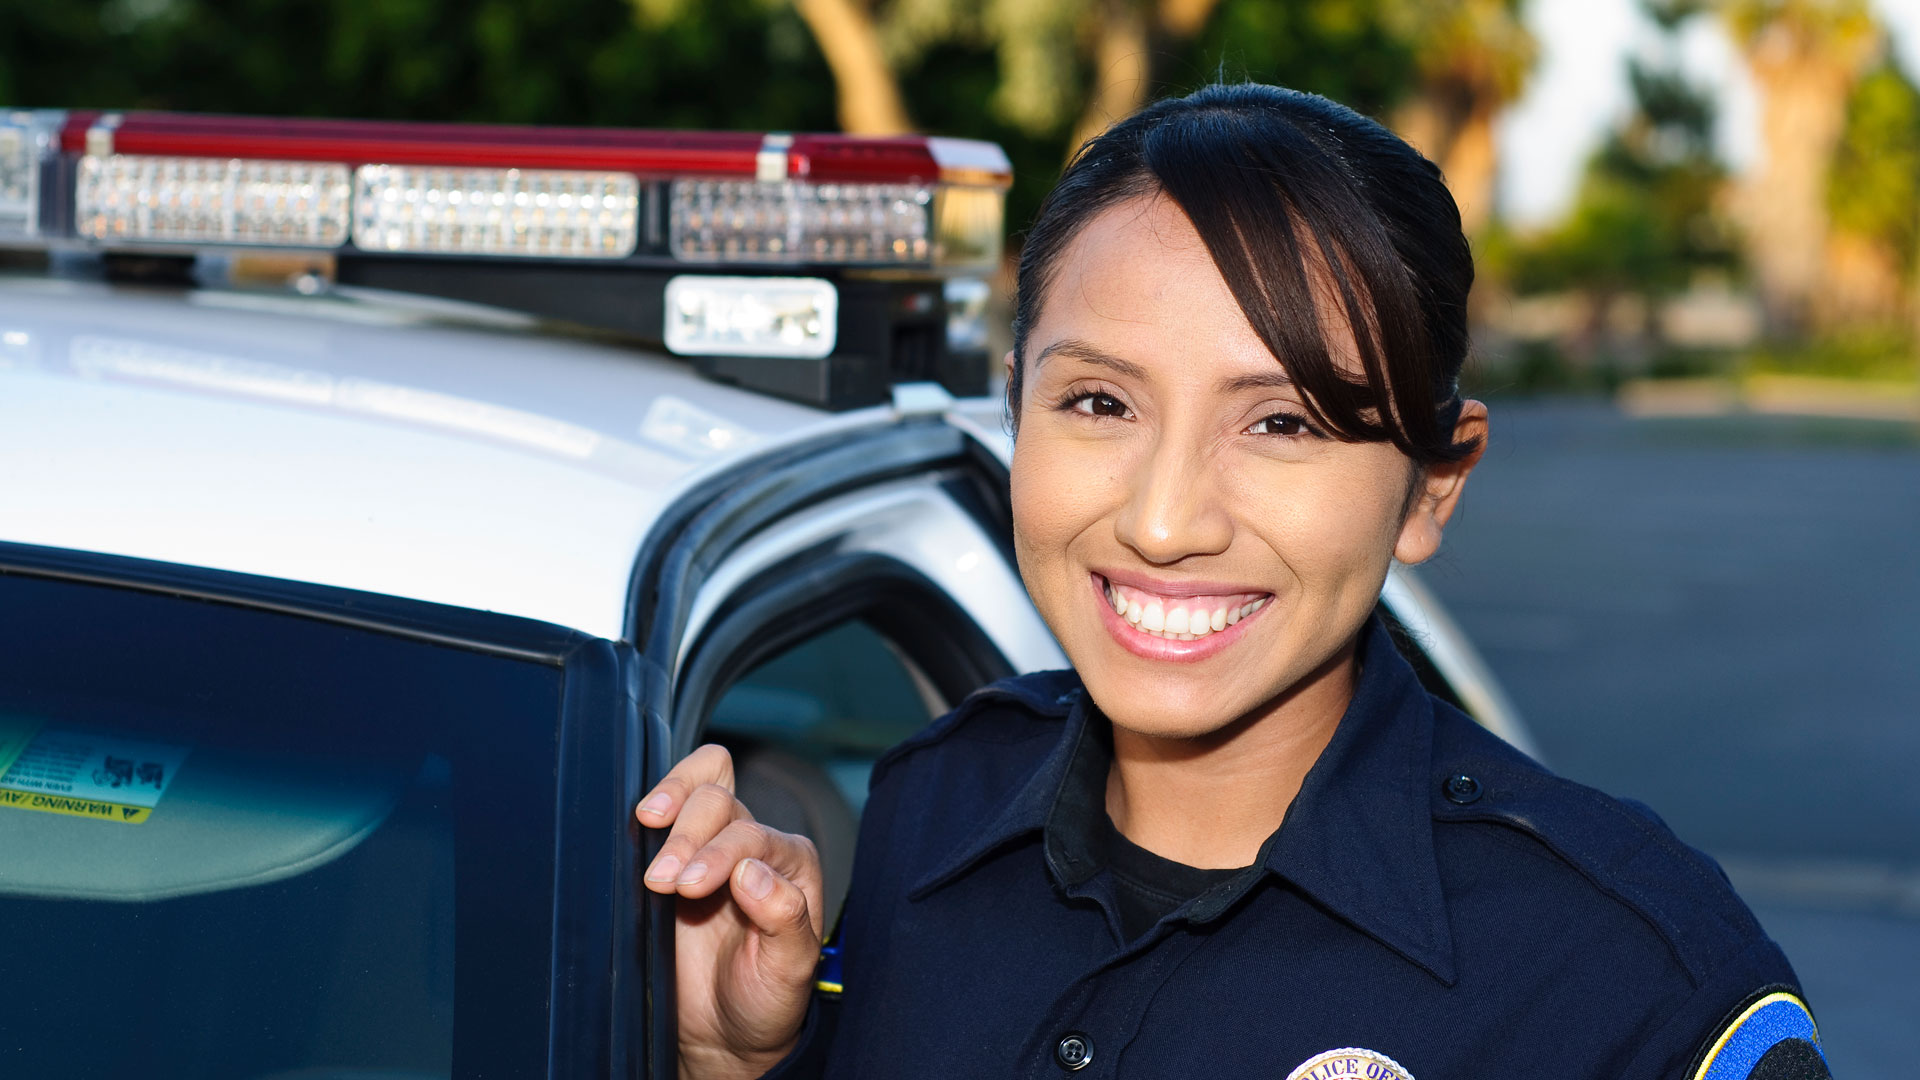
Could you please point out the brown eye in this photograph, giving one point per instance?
(1100, 405)
(1281, 424)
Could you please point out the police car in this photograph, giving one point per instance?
(346, 619)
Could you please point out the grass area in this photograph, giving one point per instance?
(1874, 362)
(1870, 355)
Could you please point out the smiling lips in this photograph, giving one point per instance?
(1161, 625)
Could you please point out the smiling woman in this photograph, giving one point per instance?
(1238, 827)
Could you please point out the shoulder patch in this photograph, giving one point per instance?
(1774, 1038)
(1350, 1063)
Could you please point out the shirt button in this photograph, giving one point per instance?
(1462, 789)
(1074, 1051)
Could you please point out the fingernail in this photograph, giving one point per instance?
(664, 868)
(693, 873)
(756, 878)
(656, 804)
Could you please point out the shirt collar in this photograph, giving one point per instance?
(1358, 838)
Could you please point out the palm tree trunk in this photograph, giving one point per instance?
(1804, 103)
(867, 92)
(1120, 71)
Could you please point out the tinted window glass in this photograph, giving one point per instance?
(805, 729)
(242, 844)
(838, 700)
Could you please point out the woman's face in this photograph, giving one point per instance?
(1197, 546)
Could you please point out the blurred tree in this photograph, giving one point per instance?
(523, 61)
(1473, 58)
(1873, 194)
(1356, 52)
(1806, 56)
(1645, 220)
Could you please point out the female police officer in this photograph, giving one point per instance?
(1238, 838)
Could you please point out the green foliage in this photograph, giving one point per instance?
(1874, 189)
(1354, 51)
(521, 61)
(1883, 354)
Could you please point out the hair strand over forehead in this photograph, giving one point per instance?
(1321, 222)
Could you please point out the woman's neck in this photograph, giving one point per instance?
(1212, 801)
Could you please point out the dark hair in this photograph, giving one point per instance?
(1263, 172)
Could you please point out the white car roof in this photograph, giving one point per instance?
(367, 443)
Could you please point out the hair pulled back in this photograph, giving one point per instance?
(1286, 187)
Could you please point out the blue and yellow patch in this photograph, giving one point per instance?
(1764, 1025)
(826, 977)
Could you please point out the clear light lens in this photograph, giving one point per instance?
(797, 221)
(580, 215)
(971, 228)
(211, 201)
(967, 304)
(25, 138)
(751, 316)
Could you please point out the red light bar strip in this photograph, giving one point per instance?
(649, 154)
(362, 142)
(899, 159)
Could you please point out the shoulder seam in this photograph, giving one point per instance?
(1008, 690)
(1696, 957)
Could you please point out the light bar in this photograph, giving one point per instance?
(188, 200)
(751, 316)
(26, 140)
(471, 190)
(795, 221)
(565, 214)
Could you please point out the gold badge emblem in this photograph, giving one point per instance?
(1350, 1063)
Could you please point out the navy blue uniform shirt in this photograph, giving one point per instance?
(1435, 906)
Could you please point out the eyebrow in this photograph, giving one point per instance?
(1266, 380)
(1076, 349)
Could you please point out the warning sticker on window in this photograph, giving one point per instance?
(61, 770)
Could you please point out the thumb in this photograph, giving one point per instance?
(779, 910)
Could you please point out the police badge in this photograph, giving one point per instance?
(1350, 1063)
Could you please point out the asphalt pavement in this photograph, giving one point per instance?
(1720, 617)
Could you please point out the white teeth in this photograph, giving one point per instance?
(1153, 616)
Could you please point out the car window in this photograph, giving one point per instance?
(239, 844)
(806, 727)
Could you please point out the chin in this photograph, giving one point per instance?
(1177, 704)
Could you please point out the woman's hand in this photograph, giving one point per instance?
(747, 924)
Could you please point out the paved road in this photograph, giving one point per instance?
(1721, 617)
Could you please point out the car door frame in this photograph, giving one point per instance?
(691, 543)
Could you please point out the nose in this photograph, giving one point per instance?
(1173, 509)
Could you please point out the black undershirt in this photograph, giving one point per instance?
(1149, 887)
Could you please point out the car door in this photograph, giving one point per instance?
(256, 830)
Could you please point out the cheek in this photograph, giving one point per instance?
(1330, 521)
(1060, 488)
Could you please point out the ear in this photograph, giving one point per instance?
(1009, 408)
(1440, 487)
